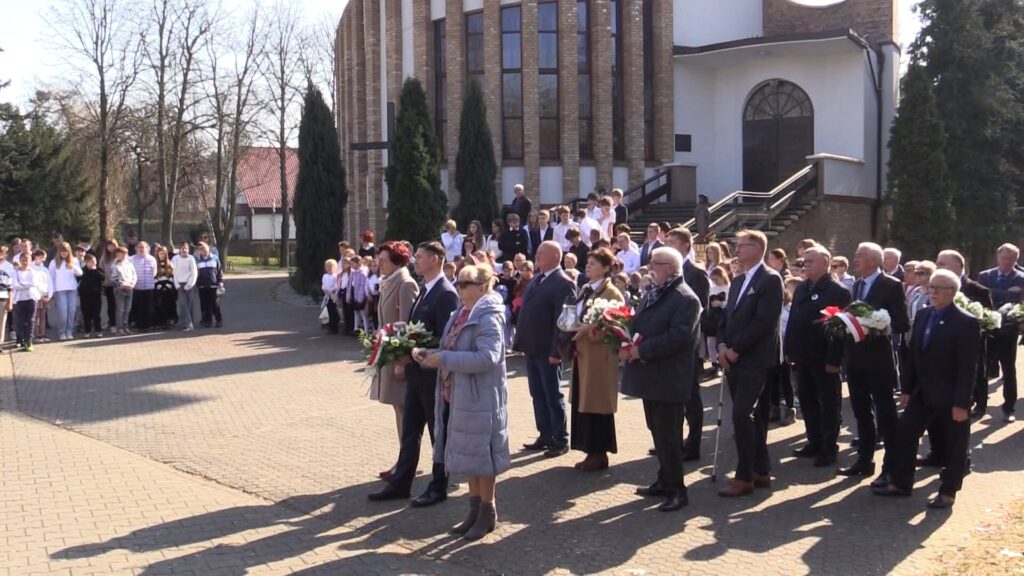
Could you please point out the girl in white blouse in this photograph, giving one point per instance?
(451, 239)
(64, 274)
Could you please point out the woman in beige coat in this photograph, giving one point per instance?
(398, 291)
(595, 374)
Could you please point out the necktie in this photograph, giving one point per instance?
(863, 290)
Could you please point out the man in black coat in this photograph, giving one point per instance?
(816, 356)
(939, 376)
(659, 369)
(871, 365)
(697, 279)
(514, 240)
(580, 250)
(537, 337)
(521, 205)
(542, 233)
(748, 344)
(891, 263)
(954, 262)
(1006, 283)
(433, 307)
(621, 210)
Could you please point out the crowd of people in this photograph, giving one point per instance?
(747, 313)
(64, 291)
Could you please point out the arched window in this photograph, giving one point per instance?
(778, 134)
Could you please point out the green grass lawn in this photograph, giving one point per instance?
(249, 264)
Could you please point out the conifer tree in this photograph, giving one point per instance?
(475, 166)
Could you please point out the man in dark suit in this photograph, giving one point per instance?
(521, 205)
(1006, 282)
(621, 211)
(433, 307)
(891, 263)
(748, 344)
(936, 388)
(816, 356)
(537, 338)
(871, 364)
(542, 233)
(514, 240)
(653, 241)
(954, 262)
(697, 279)
(660, 370)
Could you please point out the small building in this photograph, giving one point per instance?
(258, 211)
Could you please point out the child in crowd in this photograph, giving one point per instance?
(124, 279)
(6, 292)
(329, 286)
(372, 288)
(42, 279)
(450, 268)
(357, 294)
(90, 294)
(26, 298)
(716, 310)
(165, 304)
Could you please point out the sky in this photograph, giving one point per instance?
(29, 60)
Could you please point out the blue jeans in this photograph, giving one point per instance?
(66, 302)
(548, 400)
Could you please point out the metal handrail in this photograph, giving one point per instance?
(732, 202)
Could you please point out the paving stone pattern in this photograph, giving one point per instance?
(250, 449)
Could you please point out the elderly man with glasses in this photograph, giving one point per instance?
(936, 390)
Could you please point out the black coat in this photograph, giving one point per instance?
(943, 373)
(805, 341)
(433, 308)
(521, 205)
(751, 325)
(536, 331)
(536, 238)
(512, 242)
(581, 251)
(697, 279)
(976, 292)
(886, 293)
(668, 349)
(621, 214)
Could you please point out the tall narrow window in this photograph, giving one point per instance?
(475, 47)
(547, 79)
(512, 82)
(649, 152)
(440, 84)
(583, 78)
(618, 112)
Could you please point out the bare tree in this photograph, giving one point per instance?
(138, 151)
(172, 47)
(317, 55)
(236, 104)
(282, 75)
(100, 34)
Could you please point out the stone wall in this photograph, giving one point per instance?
(840, 224)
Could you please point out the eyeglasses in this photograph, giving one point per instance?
(653, 263)
(837, 266)
(465, 283)
(934, 288)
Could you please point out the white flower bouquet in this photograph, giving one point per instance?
(859, 321)
(990, 320)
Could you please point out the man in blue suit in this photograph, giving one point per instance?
(1006, 283)
(537, 337)
(433, 307)
(936, 388)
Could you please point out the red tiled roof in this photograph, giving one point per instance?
(259, 176)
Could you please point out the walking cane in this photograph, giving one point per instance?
(718, 427)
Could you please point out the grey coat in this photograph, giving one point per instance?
(475, 442)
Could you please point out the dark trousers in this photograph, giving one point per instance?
(694, 413)
(419, 412)
(665, 419)
(1006, 352)
(912, 423)
(91, 302)
(142, 306)
(349, 317)
(332, 316)
(165, 307)
(108, 293)
(871, 396)
(548, 400)
(821, 403)
(980, 393)
(780, 387)
(25, 321)
(209, 305)
(750, 420)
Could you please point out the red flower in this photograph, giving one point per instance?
(390, 329)
(831, 310)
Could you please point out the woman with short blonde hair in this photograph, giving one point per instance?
(452, 240)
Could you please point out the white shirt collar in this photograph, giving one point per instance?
(428, 285)
(596, 284)
(871, 279)
(750, 273)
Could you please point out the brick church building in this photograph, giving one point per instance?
(731, 95)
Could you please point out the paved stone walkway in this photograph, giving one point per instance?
(251, 449)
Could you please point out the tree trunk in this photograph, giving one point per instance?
(285, 225)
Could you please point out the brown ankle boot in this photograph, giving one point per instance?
(474, 511)
(595, 462)
(485, 522)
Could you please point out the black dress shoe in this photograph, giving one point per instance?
(674, 501)
(654, 490)
(428, 498)
(978, 413)
(538, 444)
(890, 490)
(882, 481)
(556, 451)
(859, 468)
(855, 442)
(941, 502)
(388, 493)
(808, 451)
(824, 460)
(929, 461)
